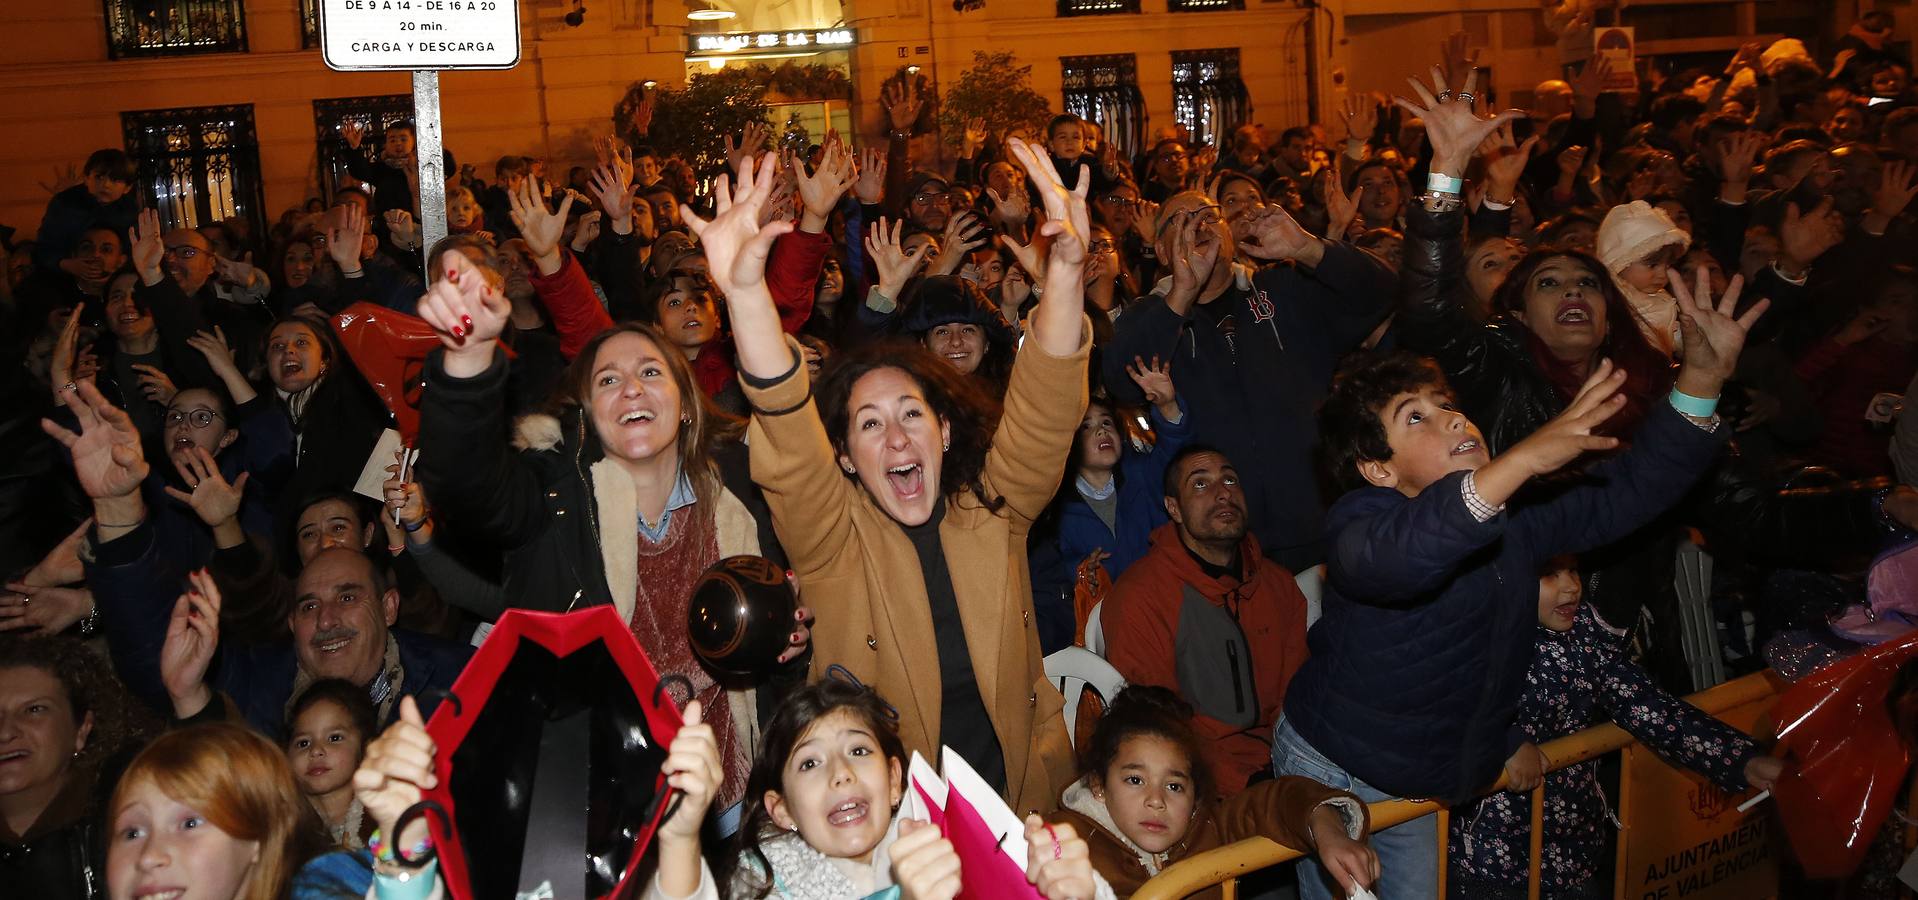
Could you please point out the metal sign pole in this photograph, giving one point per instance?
(432, 164)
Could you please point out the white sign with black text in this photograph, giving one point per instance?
(419, 34)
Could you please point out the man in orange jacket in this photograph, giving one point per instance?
(1206, 615)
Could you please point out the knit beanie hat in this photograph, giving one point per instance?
(1633, 231)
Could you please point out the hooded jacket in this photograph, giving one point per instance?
(1228, 646)
(1255, 391)
(1279, 810)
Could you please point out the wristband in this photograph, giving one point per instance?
(407, 885)
(1444, 184)
(1695, 407)
(414, 527)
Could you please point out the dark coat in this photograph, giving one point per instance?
(70, 213)
(1419, 660)
(1071, 530)
(1259, 405)
(136, 579)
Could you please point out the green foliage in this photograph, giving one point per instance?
(692, 121)
(998, 90)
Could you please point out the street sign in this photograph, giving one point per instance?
(362, 35)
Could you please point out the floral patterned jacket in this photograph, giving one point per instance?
(1573, 676)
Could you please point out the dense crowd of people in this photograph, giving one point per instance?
(1470, 379)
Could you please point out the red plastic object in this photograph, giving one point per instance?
(390, 349)
(1845, 761)
(533, 670)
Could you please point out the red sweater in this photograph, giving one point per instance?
(1843, 379)
(792, 274)
(1170, 624)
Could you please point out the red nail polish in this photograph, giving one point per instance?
(453, 275)
(459, 332)
(467, 321)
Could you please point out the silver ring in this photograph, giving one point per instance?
(1444, 96)
(1465, 97)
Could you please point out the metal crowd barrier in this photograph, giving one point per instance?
(1224, 866)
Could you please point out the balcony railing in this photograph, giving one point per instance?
(139, 28)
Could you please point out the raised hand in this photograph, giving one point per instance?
(1192, 261)
(612, 183)
(974, 136)
(1058, 861)
(1713, 334)
(779, 204)
(353, 133)
(219, 357)
(1145, 219)
(870, 187)
(467, 312)
(107, 458)
(894, 265)
(735, 241)
(1505, 161)
(1155, 380)
(402, 229)
(1573, 432)
(1272, 233)
(692, 767)
(964, 234)
(1588, 84)
(345, 230)
(586, 230)
(43, 610)
(237, 272)
(1803, 237)
(213, 499)
(155, 384)
(1452, 128)
(1341, 208)
(405, 500)
(1067, 220)
(751, 140)
(820, 189)
(1897, 184)
(192, 635)
(902, 102)
(1013, 211)
(396, 770)
(1361, 116)
(539, 226)
(61, 368)
(1456, 56)
(146, 248)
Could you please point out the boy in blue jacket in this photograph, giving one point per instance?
(1432, 585)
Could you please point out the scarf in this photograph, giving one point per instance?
(384, 691)
(800, 872)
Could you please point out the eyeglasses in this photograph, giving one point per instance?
(1101, 246)
(183, 251)
(201, 418)
(928, 198)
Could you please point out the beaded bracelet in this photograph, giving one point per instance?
(383, 852)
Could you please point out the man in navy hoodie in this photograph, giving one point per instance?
(1419, 660)
(1254, 352)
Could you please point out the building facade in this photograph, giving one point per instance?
(231, 109)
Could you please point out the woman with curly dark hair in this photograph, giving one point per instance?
(64, 723)
(915, 555)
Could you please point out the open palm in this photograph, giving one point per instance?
(107, 457)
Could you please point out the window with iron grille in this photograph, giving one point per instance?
(1097, 7)
(1105, 90)
(197, 165)
(137, 28)
(1208, 96)
(374, 114)
(1202, 5)
(309, 24)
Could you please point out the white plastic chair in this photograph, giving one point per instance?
(1312, 585)
(1095, 632)
(1076, 668)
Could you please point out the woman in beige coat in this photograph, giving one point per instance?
(905, 511)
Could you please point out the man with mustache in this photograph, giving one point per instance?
(1207, 616)
(341, 624)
